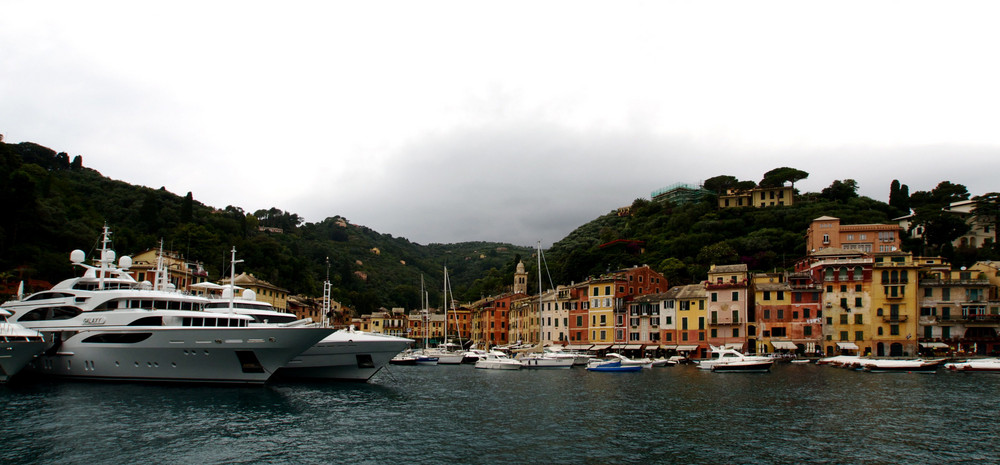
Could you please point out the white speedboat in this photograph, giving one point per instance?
(498, 361)
(721, 355)
(545, 360)
(345, 355)
(742, 366)
(877, 365)
(18, 345)
(105, 325)
(625, 361)
(840, 361)
(987, 365)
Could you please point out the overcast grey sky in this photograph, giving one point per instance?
(501, 121)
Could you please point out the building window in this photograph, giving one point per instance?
(859, 319)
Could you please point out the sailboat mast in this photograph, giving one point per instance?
(444, 303)
(539, 295)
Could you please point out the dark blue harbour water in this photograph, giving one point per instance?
(460, 415)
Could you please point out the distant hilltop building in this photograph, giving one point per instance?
(680, 193)
(980, 231)
(827, 232)
(757, 197)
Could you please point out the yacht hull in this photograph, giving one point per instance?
(14, 355)
(173, 354)
(346, 356)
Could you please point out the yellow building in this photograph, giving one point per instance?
(757, 197)
(265, 291)
(181, 273)
(601, 310)
(691, 320)
(894, 298)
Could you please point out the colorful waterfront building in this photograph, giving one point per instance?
(490, 321)
(604, 301)
(894, 298)
(459, 323)
(957, 312)
(787, 313)
(575, 297)
(644, 322)
(846, 279)
(689, 303)
(555, 318)
(524, 319)
(727, 295)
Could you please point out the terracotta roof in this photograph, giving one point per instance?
(742, 267)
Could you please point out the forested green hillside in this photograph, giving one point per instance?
(55, 204)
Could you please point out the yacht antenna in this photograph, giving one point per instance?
(106, 256)
(326, 296)
(232, 279)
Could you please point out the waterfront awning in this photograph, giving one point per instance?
(601, 347)
(632, 347)
(934, 345)
(668, 347)
(847, 346)
(733, 346)
(579, 346)
(686, 348)
(786, 345)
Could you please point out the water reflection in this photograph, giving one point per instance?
(458, 414)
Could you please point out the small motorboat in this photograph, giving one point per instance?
(498, 361)
(612, 366)
(743, 366)
(403, 358)
(900, 366)
(987, 365)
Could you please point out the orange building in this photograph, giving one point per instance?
(826, 231)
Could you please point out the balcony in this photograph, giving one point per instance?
(973, 318)
(724, 322)
(954, 282)
(895, 318)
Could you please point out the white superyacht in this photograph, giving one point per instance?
(106, 325)
(345, 355)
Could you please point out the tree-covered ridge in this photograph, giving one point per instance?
(682, 241)
(55, 204)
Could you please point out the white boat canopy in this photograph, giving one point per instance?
(934, 345)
